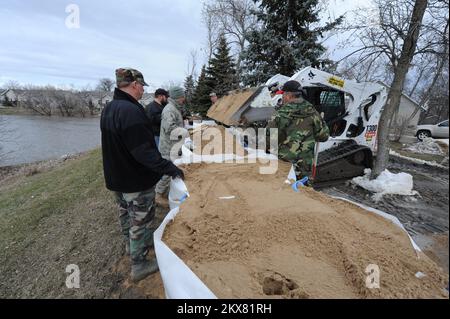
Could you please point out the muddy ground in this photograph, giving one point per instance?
(425, 217)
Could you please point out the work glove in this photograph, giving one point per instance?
(178, 173)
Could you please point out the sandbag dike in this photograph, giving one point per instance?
(271, 242)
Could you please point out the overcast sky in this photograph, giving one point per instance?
(155, 37)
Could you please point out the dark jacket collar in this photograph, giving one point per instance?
(154, 102)
(121, 95)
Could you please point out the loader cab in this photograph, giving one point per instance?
(332, 103)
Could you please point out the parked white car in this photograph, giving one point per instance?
(439, 130)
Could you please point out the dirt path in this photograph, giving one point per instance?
(425, 217)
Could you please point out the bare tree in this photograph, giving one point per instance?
(39, 100)
(402, 65)
(49, 101)
(398, 37)
(232, 18)
(212, 31)
(378, 70)
(437, 108)
(421, 89)
(170, 84)
(192, 64)
(12, 85)
(86, 97)
(69, 103)
(434, 54)
(380, 33)
(427, 67)
(86, 102)
(105, 85)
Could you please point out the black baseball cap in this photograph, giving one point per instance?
(161, 92)
(292, 86)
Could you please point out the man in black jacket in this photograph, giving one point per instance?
(132, 166)
(154, 110)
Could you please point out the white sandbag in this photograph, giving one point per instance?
(179, 281)
(178, 192)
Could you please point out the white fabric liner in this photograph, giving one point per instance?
(180, 282)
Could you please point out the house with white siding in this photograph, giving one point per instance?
(408, 114)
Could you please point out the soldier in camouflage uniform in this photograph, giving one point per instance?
(299, 126)
(171, 124)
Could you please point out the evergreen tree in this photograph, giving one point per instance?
(200, 100)
(219, 77)
(222, 70)
(285, 42)
(189, 87)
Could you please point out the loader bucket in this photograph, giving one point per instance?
(249, 105)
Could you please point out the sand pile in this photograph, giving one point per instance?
(212, 140)
(270, 242)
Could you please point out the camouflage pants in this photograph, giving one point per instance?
(136, 216)
(303, 166)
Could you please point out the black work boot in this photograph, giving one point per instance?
(143, 269)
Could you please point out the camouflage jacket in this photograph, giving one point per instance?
(171, 119)
(299, 127)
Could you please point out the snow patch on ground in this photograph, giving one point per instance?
(427, 146)
(386, 183)
(416, 160)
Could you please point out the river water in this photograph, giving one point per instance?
(26, 139)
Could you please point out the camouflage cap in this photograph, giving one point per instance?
(127, 75)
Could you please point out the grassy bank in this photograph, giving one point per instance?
(5, 110)
(29, 199)
(53, 218)
(57, 213)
